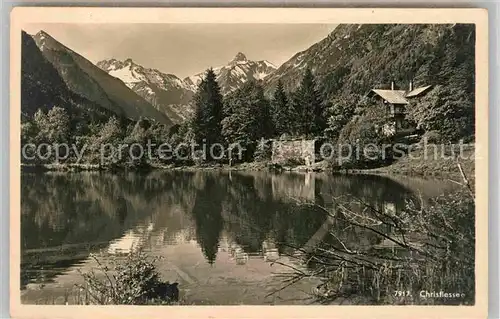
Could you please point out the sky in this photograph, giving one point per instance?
(185, 49)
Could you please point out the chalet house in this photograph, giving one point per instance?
(396, 103)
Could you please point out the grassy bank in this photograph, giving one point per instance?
(421, 162)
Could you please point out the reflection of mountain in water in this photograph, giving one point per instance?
(64, 217)
(132, 241)
(67, 216)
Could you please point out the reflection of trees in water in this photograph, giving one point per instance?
(252, 218)
(248, 211)
(245, 207)
(257, 207)
(207, 215)
(296, 225)
(374, 190)
(365, 196)
(357, 238)
(121, 209)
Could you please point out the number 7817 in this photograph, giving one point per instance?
(402, 293)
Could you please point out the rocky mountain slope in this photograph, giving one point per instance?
(166, 92)
(43, 88)
(238, 71)
(41, 85)
(354, 58)
(87, 80)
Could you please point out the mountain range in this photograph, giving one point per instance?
(171, 95)
(125, 88)
(85, 79)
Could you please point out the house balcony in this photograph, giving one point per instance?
(395, 114)
(395, 110)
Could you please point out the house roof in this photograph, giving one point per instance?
(392, 96)
(399, 96)
(418, 91)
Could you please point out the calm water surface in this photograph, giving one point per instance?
(217, 231)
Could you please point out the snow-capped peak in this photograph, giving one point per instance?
(132, 73)
(240, 57)
(129, 73)
(238, 71)
(166, 92)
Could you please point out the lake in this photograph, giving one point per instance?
(218, 233)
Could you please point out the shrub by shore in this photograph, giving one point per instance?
(132, 279)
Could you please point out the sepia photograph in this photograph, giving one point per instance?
(305, 162)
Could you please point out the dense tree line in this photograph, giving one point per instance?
(98, 142)
(246, 115)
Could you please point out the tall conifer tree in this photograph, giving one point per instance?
(208, 110)
(309, 106)
(282, 117)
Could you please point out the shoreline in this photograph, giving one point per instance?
(248, 167)
(413, 164)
